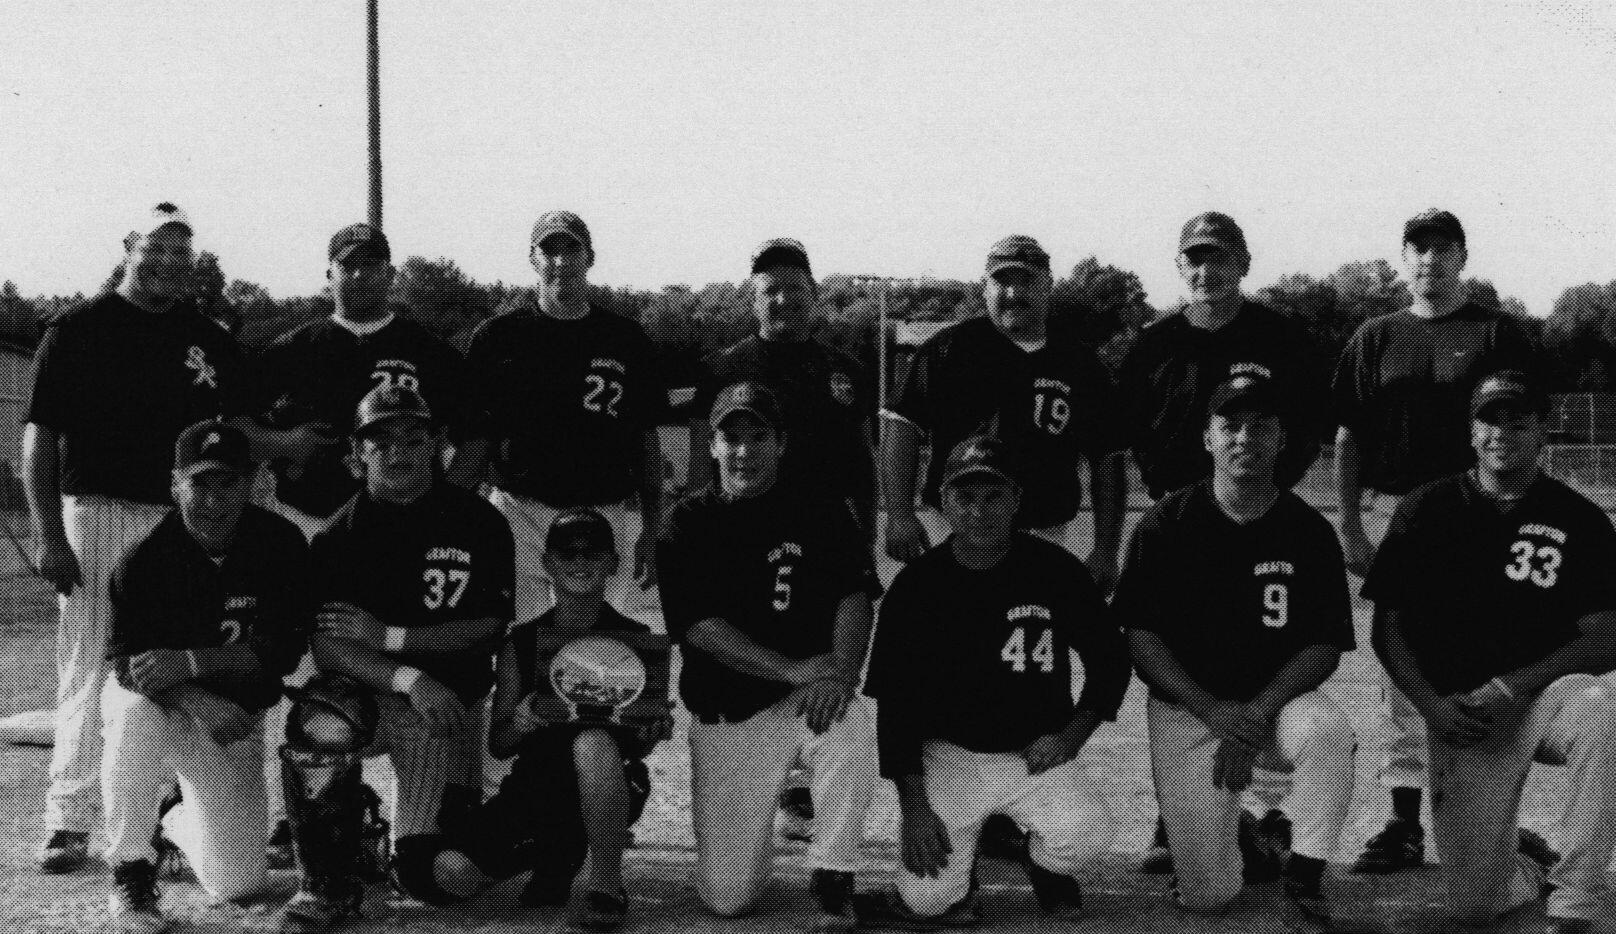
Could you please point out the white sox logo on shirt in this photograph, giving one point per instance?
(841, 388)
(782, 573)
(446, 585)
(196, 360)
(604, 390)
(1015, 652)
(1533, 561)
(1276, 595)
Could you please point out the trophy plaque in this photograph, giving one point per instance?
(601, 678)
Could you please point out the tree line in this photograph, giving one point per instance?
(1578, 337)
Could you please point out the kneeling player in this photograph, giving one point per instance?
(973, 673)
(1496, 609)
(1235, 601)
(414, 579)
(573, 792)
(208, 615)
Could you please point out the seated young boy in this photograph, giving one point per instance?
(573, 792)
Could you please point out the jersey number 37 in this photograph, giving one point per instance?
(1015, 650)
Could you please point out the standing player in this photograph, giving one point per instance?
(1168, 376)
(973, 672)
(317, 373)
(572, 399)
(115, 382)
(1235, 600)
(209, 613)
(768, 593)
(414, 592)
(1022, 378)
(1496, 610)
(1401, 387)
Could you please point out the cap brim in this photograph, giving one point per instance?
(1200, 241)
(719, 417)
(351, 248)
(207, 465)
(1523, 401)
(377, 423)
(543, 235)
(975, 470)
(1004, 264)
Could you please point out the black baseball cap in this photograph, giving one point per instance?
(1017, 251)
(1509, 387)
(979, 454)
(750, 397)
(1248, 392)
(388, 402)
(211, 445)
(1435, 221)
(358, 238)
(565, 223)
(580, 531)
(781, 251)
(1212, 228)
(150, 220)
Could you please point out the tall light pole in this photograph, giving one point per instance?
(374, 81)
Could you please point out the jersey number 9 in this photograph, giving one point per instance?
(1276, 601)
(1043, 653)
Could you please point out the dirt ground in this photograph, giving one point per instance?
(658, 869)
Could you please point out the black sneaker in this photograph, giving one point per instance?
(134, 901)
(1260, 861)
(1535, 848)
(278, 851)
(1304, 907)
(797, 804)
(1274, 833)
(1400, 846)
(600, 911)
(545, 890)
(884, 908)
(833, 893)
(65, 851)
(1058, 895)
(1158, 859)
(1002, 839)
(171, 863)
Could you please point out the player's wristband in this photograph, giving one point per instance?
(196, 669)
(1502, 688)
(404, 678)
(393, 639)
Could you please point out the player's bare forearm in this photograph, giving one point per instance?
(1162, 671)
(851, 642)
(1593, 652)
(651, 482)
(1108, 490)
(1305, 671)
(1398, 659)
(40, 485)
(227, 664)
(457, 635)
(1348, 463)
(911, 790)
(366, 665)
(900, 450)
(735, 650)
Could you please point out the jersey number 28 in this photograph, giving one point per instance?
(1015, 650)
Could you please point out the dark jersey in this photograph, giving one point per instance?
(567, 403)
(1168, 376)
(1234, 602)
(1051, 407)
(1484, 591)
(982, 658)
(118, 384)
(826, 399)
(167, 593)
(447, 556)
(523, 641)
(1403, 386)
(775, 567)
(320, 371)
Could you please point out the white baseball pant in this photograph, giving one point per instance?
(1067, 820)
(423, 764)
(223, 821)
(736, 773)
(1313, 739)
(1476, 797)
(100, 530)
(1405, 760)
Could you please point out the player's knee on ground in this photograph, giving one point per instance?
(240, 882)
(1209, 891)
(598, 760)
(416, 865)
(730, 897)
(1073, 835)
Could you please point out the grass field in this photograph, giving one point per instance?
(1119, 899)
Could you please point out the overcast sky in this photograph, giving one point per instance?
(893, 139)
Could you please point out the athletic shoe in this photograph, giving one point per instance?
(1060, 896)
(600, 911)
(1303, 906)
(65, 851)
(1569, 926)
(171, 862)
(1274, 833)
(134, 899)
(546, 890)
(797, 804)
(833, 893)
(884, 908)
(1260, 860)
(1535, 848)
(1002, 839)
(311, 912)
(278, 851)
(1158, 859)
(1400, 846)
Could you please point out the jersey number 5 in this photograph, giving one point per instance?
(603, 394)
(444, 587)
(1015, 650)
(782, 588)
(1526, 566)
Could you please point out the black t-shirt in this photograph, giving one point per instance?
(447, 556)
(118, 384)
(1485, 591)
(567, 403)
(1168, 376)
(982, 658)
(1235, 603)
(1403, 387)
(1050, 406)
(523, 640)
(776, 567)
(826, 398)
(320, 371)
(167, 593)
